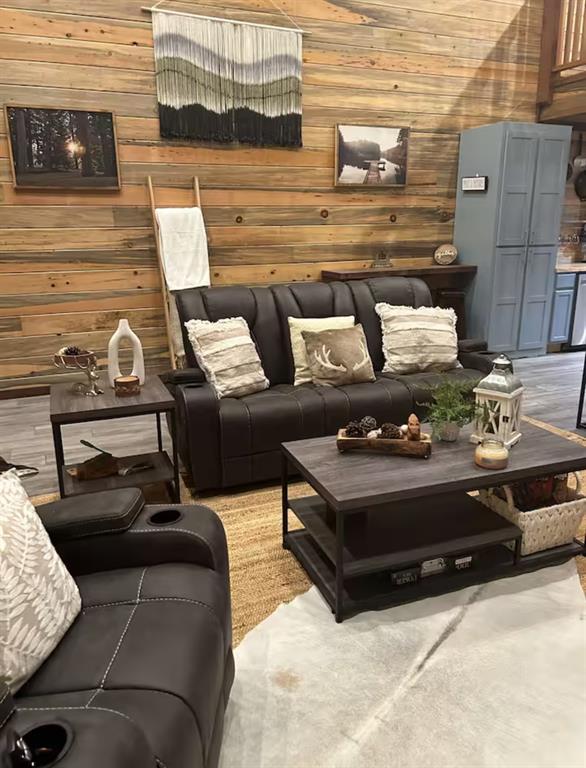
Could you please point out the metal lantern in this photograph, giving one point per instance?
(498, 402)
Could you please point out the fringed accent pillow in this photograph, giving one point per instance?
(338, 357)
(416, 340)
(227, 355)
(39, 599)
(296, 327)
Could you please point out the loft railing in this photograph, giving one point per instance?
(571, 46)
(563, 46)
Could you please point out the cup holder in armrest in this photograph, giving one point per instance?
(165, 517)
(48, 743)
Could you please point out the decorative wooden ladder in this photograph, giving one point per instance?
(167, 298)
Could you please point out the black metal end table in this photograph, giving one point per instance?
(154, 398)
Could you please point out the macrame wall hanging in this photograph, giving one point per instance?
(223, 81)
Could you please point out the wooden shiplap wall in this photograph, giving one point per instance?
(72, 264)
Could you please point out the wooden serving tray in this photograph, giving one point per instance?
(400, 447)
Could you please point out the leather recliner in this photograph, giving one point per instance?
(236, 441)
(142, 677)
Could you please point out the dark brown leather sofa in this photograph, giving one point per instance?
(142, 677)
(234, 441)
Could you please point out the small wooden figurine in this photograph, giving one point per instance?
(413, 428)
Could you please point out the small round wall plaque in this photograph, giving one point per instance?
(445, 254)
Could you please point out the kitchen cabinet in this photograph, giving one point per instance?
(510, 231)
(561, 316)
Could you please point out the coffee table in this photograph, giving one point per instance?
(375, 515)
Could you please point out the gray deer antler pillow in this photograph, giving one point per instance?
(338, 357)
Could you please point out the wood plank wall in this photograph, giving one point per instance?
(72, 264)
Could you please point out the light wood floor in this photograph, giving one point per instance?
(551, 394)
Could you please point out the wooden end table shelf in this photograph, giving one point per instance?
(375, 514)
(154, 398)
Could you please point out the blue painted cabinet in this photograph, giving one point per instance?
(537, 298)
(509, 271)
(510, 231)
(563, 301)
(517, 188)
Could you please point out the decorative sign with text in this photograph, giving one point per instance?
(474, 183)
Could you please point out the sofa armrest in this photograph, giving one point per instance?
(184, 376)
(472, 345)
(100, 736)
(481, 361)
(183, 534)
(198, 433)
(75, 517)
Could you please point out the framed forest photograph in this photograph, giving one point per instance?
(371, 155)
(62, 148)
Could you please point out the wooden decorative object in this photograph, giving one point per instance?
(445, 254)
(413, 428)
(102, 465)
(420, 448)
(126, 386)
(167, 298)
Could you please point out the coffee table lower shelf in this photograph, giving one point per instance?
(374, 591)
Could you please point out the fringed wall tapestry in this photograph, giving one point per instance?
(225, 82)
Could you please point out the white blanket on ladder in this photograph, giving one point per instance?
(184, 252)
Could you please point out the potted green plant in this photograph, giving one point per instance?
(452, 407)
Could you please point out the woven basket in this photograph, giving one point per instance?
(542, 528)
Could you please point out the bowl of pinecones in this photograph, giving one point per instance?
(366, 434)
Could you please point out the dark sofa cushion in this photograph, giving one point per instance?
(260, 422)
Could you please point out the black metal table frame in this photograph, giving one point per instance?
(339, 516)
(580, 423)
(60, 456)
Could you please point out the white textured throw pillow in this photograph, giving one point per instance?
(416, 340)
(227, 355)
(38, 597)
(296, 327)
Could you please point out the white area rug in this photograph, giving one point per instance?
(492, 676)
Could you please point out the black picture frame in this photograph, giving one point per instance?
(53, 148)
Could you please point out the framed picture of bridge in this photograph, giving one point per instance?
(62, 148)
(371, 155)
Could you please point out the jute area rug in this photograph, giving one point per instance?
(263, 575)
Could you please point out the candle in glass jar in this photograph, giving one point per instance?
(491, 454)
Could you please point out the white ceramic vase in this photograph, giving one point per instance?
(124, 331)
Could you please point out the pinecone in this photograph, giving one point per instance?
(353, 429)
(390, 432)
(368, 424)
(72, 351)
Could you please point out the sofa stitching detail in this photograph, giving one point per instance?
(166, 530)
(248, 416)
(293, 395)
(383, 383)
(160, 763)
(2, 700)
(144, 600)
(121, 639)
(411, 291)
(57, 709)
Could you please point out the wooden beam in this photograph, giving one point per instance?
(549, 42)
